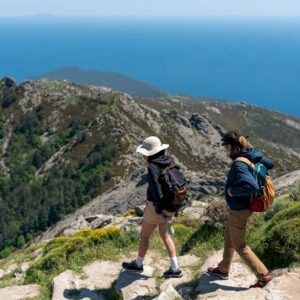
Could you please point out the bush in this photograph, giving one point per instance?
(277, 206)
(277, 241)
(294, 192)
(203, 240)
(20, 241)
(282, 244)
(217, 213)
(5, 252)
(288, 213)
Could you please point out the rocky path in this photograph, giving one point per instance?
(102, 279)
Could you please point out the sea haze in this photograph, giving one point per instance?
(252, 60)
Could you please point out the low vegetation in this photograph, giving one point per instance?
(275, 236)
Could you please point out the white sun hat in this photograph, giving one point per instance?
(151, 146)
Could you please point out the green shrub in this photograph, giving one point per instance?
(203, 240)
(5, 252)
(20, 241)
(282, 244)
(294, 192)
(217, 213)
(292, 211)
(277, 206)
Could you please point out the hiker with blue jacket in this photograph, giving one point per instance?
(157, 160)
(239, 190)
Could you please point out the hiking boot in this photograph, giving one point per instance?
(132, 266)
(173, 274)
(262, 282)
(216, 272)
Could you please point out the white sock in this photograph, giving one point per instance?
(139, 261)
(174, 263)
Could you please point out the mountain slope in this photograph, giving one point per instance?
(110, 79)
(63, 144)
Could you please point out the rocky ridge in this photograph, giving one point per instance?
(129, 194)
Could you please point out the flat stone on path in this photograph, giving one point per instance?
(133, 284)
(20, 292)
(101, 274)
(63, 284)
(169, 294)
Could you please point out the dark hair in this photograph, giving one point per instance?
(160, 153)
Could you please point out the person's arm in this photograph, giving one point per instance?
(267, 162)
(245, 182)
(154, 185)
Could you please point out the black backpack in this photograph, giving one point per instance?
(174, 187)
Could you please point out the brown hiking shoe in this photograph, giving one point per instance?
(216, 272)
(262, 282)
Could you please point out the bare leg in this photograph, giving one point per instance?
(145, 235)
(169, 244)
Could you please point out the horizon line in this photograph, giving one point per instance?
(47, 15)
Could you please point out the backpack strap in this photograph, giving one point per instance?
(168, 168)
(246, 161)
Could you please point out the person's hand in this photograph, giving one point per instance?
(229, 192)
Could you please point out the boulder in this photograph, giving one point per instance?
(97, 275)
(169, 294)
(101, 221)
(64, 284)
(24, 266)
(194, 212)
(70, 232)
(100, 275)
(133, 285)
(286, 181)
(20, 292)
(9, 82)
(285, 283)
(79, 224)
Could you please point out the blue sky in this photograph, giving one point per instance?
(152, 7)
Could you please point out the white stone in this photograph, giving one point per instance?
(20, 292)
(101, 274)
(24, 266)
(169, 294)
(133, 284)
(64, 283)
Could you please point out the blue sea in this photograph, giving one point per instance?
(256, 60)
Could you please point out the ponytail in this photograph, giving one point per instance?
(243, 142)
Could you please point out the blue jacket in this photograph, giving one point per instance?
(154, 191)
(240, 180)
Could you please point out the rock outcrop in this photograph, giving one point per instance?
(20, 292)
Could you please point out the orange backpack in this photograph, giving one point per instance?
(265, 197)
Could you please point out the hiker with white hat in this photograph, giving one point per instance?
(157, 162)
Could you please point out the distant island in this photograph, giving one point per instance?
(109, 79)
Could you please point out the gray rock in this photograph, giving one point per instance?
(20, 292)
(64, 284)
(133, 285)
(9, 82)
(286, 181)
(100, 274)
(24, 266)
(194, 212)
(101, 221)
(169, 294)
(36, 253)
(70, 232)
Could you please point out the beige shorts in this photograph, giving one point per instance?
(150, 215)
